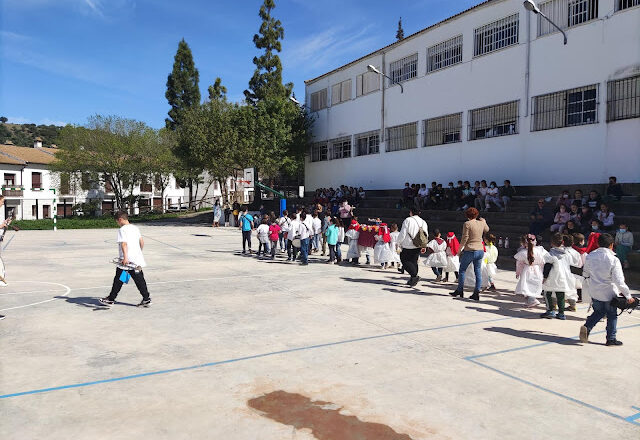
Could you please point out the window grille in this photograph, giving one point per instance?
(496, 35)
(495, 120)
(624, 4)
(566, 13)
(367, 82)
(623, 98)
(341, 92)
(402, 137)
(319, 100)
(367, 143)
(404, 69)
(444, 54)
(341, 148)
(318, 151)
(442, 130)
(566, 108)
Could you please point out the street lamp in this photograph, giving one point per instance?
(295, 101)
(530, 6)
(371, 68)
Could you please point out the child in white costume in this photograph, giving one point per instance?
(559, 281)
(353, 253)
(437, 259)
(453, 261)
(382, 254)
(393, 245)
(530, 262)
(490, 257)
(576, 261)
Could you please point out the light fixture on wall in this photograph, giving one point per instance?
(530, 6)
(372, 68)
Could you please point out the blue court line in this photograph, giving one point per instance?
(631, 419)
(245, 358)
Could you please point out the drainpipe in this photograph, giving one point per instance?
(527, 69)
(382, 78)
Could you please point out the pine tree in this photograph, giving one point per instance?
(183, 91)
(267, 78)
(400, 31)
(217, 91)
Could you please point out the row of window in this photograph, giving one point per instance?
(486, 39)
(36, 180)
(572, 107)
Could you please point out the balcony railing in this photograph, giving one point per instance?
(12, 191)
(145, 187)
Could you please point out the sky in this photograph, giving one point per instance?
(62, 61)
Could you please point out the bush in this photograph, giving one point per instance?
(104, 222)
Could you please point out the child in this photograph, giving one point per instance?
(491, 256)
(340, 239)
(576, 261)
(530, 261)
(331, 235)
(453, 261)
(316, 231)
(623, 244)
(560, 220)
(263, 237)
(437, 258)
(558, 278)
(393, 245)
(493, 196)
(352, 234)
(580, 248)
(274, 236)
(381, 251)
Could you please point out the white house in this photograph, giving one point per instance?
(491, 93)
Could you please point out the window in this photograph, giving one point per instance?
(492, 121)
(367, 82)
(623, 99)
(444, 54)
(566, 13)
(36, 180)
(319, 100)
(145, 184)
(9, 179)
(65, 183)
(565, 108)
(402, 137)
(368, 143)
(496, 35)
(404, 69)
(624, 4)
(442, 130)
(341, 92)
(318, 151)
(341, 148)
(46, 211)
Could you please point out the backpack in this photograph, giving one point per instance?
(421, 239)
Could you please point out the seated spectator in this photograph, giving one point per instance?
(606, 217)
(614, 190)
(571, 228)
(594, 200)
(596, 227)
(586, 215)
(540, 218)
(563, 199)
(624, 244)
(560, 220)
(481, 195)
(450, 197)
(574, 213)
(361, 193)
(493, 196)
(407, 195)
(468, 196)
(422, 196)
(578, 198)
(436, 195)
(507, 192)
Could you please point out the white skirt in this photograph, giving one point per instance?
(436, 259)
(453, 264)
(382, 253)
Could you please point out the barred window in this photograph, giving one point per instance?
(318, 151)
(402, 137)
(367, 143)
(319, 100)
(623, 98)
(367, 82)
(442, 130)
(341, 92)
(495, 120)
(566, 13)
(444, 54)
(624, 4)
(496, 35)
(341, 147)
(404, 69)
(566, 108)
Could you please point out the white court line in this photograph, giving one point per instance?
(40, 302)
(28, 291)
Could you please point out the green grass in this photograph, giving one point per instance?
(87, 222)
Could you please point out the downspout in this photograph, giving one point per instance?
(527, 68)
(382, 78)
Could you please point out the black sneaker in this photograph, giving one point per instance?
(2, 317)
(106, 301)
(144, 303)
(613, 342)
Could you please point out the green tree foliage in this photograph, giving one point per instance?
(400, 31)
(267, 78)
(23, 135)
(3, 119)
(217, 90)
(183, 91)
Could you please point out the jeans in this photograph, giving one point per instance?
(600, 310)
(316, 242)
(138, 278)
(246, 240)
(304, 251)
(409, 260)
(264, 247)
(467, 258)
(282, 241)
(339, 251)
(332, 252)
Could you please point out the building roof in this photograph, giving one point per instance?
(397, 43)
(15, 155)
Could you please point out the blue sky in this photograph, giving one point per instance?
(64, 60)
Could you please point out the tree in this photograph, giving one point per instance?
(267, 78)
(400, 31)
(3, 119)
(217, 90)
(183, 91)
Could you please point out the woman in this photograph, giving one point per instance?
(471, 251)
(217, 213)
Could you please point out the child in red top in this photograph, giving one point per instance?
(453, 262)
(274, 233)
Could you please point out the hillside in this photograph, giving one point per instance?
(24, 134)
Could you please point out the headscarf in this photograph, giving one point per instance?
(383, 231)
(592, 244)
(452, 243)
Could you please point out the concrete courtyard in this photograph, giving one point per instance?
(239, 348)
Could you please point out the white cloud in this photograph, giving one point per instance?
(108, 10)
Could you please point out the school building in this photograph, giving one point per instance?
(490, 93)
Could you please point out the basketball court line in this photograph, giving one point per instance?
(68, 290)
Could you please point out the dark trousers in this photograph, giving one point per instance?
(138, 278)
(274, 244)
(246, 240)
(437, 271)
(409, 260)
(332, 252)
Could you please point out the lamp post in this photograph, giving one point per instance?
(530, 6)
(371, 68)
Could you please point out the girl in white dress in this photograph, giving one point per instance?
(393, 245)
(381, 251)
(490, 257)
(353, 253)
(453, 261)
(530, 262)
(437, 259)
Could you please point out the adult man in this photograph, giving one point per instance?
(507, 192)
(614, 190)
(411, 226)
(604, 281)
(540, 218)
(130, 245)
(246, 225)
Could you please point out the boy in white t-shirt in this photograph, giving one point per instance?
(130, 244)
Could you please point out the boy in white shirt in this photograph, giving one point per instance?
(130, 244)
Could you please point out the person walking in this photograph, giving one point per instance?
(246, 225)
(217, 214)
(413, 241)
(604, 281)
(471, 251)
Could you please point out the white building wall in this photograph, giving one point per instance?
(597, 51)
